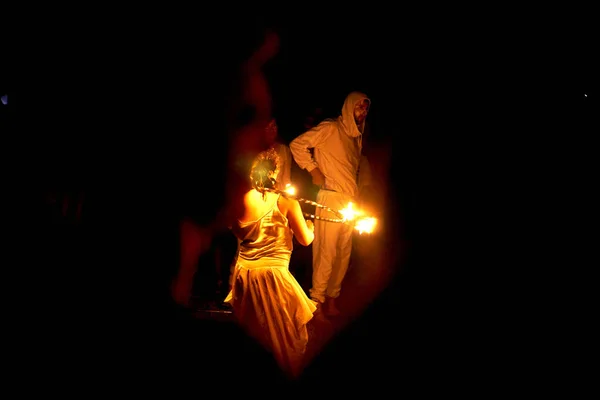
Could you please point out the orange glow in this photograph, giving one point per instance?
(366, 225)
(363, 224)
(289, 189)
(349, 213)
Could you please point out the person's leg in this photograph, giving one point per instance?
(339, 268)
(341, 262)
(194, 241)
(324, 249)
(342, 254)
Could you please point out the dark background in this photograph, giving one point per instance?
(489, 128)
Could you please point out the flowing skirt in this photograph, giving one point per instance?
(273, 308)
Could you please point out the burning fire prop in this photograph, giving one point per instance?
(348, 215)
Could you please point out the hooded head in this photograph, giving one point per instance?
(354, 113)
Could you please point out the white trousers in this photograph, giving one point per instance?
(332, 247)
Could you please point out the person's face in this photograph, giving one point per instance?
(361, 109)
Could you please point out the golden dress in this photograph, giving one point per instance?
(267, 300)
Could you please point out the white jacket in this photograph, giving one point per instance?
(337, 145)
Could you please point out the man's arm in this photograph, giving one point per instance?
(312, 138)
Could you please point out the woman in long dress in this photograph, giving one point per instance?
(266, 299)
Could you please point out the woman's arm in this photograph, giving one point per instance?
(303, 229)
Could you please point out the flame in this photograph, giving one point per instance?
(289, 189)
(349, 213)
(363, 224)
(366, 225)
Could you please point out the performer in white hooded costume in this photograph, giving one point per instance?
(337, 145)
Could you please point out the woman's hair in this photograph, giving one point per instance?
(265, 166)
